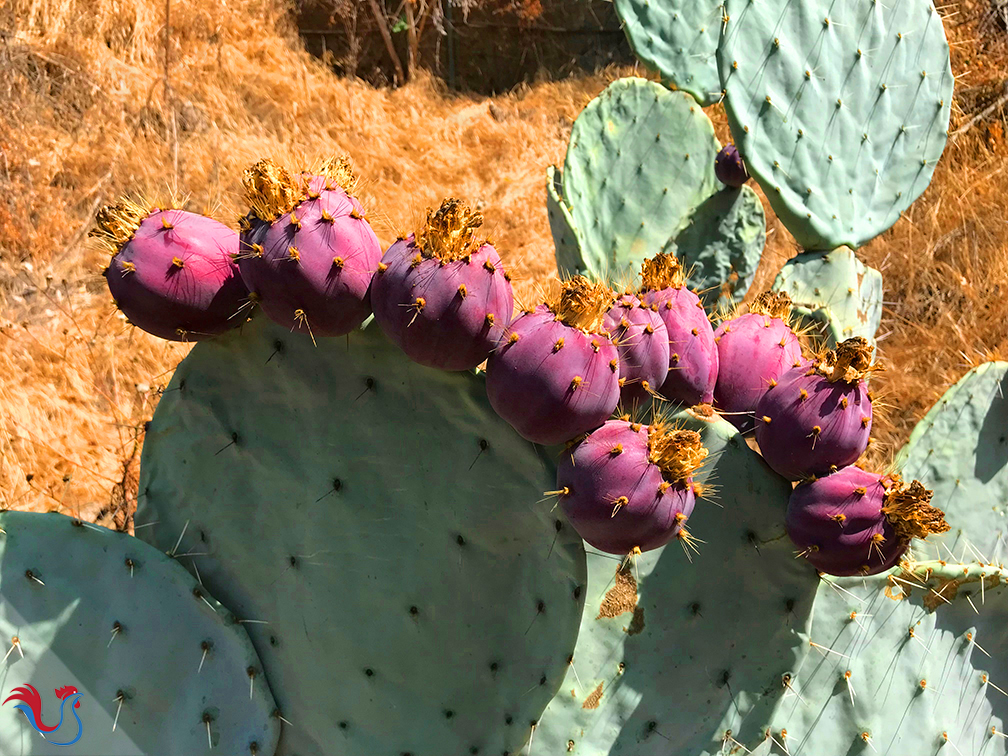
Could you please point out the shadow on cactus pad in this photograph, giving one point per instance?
(145, 661)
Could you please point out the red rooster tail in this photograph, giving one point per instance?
(30, 698)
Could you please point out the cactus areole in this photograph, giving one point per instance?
(556, 373)
(308, 253)
(855, 522)
(172, 272)
(817, 419)
(441, 293)
(693, 355)
(629, 487)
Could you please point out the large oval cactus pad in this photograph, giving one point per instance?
(162, 668)
(679, 40)
(841, 110)
(960, 451)
(384, 533)
(901, 676)
(666, 652)
(640, 159)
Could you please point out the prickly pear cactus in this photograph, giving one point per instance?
(841, 112)
(920, 674)
(901, 676)
(157, 665)
(679, 40)
(721, 246)
(960, 451)
(665, 652)
(834, 293)
(382, 532)
(640, 159)
(639, 179)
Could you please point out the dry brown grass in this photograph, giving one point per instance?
(85, 116)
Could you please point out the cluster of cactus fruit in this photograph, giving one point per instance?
(361, 559)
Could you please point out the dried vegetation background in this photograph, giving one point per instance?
(97, 100)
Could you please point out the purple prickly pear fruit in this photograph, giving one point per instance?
(753, 350)
(729, 168)
(441, 294)
(642, 341)
(693, 355)
(172, 272)
(556, 373)
(858, 523)
(628, 486)
(817, 418)
(311, 269)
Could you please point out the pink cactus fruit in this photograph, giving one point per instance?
(441, 293)
(817, 418)
(556, 374)
(729, 167)
(858, 523)
(693, 355)
(311, 269)
(753, 350)
(172, 272)
(627, 487)
(642, 341)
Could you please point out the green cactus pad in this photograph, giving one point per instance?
(415, 591)
(960, 451)
(919, 682)
(841, 111)
(679, 40)
(565, 236)
(122, 622)
(835, 292)
(722, 245)
(640, 159)
(676, 651)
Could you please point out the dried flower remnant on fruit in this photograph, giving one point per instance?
(662, 271)
(337, 171)
(449, 233)
(581, 304)
(679, 453)
(269, 190)
(909, 510)
(849, 362)
(116, 224)
(772, 304)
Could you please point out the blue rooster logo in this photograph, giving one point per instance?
(31, 707)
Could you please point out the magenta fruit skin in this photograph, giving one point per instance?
(532, 384)
(203, 298)
(789, 442)
(843, 547)
(693, 355)
(466, 309)
(729, 168)
(314, 293)
(751, 355)
(643, 345)
(595, 477)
